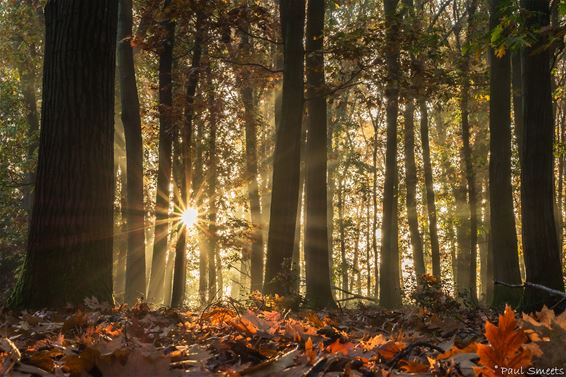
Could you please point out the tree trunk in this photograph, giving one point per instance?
(214, 289)
(429, 185)
(342, 232)
(390, 288)
(471, 258)
(411, 184)
(180, 271)
(286, 159)
(155, 293)
(503, 234)
(135, 260)
(69, 252)
(540, 246)
(319, 293)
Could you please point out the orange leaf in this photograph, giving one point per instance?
(413, 366)
(309, 351)
(506, 348)
(343, 348)
(390, 349)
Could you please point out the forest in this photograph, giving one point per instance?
(282, 187)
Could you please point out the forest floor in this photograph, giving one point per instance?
(260, 337)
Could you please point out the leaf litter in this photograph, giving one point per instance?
(262, 338)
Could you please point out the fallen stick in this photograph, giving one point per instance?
(533, 285)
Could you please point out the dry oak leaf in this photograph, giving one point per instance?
(390, 349)
(343, 348)
(548, 334)
(506, 347)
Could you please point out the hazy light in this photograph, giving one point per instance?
(189, 217)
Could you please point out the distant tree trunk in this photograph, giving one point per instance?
(69, 252)
(374, 210)
(429, 185)
(286, 159)
(296, 257)
(214, 277)
(368, 246)
(503, 234)
(179, 277)
(342, 232)
(411, 183)
(540, 244)
(131, 119)
(466, 155)
(197, 190)
(319, 293)
(390, 288)
(155, 293)
(331, 172)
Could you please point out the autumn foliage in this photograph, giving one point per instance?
(264, 339)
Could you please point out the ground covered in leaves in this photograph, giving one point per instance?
(261, 338)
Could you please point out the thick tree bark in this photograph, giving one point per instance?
(69, 253)
(390, 287)
(319, 293)
(411, 185)
(430, 196)
(180, 271)
(540, 244)
(155, 292)
(503, 234)
(131, 119)
(285, 189)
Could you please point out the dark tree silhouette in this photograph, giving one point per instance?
(503, 234)
(319, 293)
(286, 159)
(155, 292)
(69, 254)
(134, 211)
(540, 243)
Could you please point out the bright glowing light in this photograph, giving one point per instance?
(189, 217)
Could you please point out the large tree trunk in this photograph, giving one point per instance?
(503, 235)
(319, 293)
(430, 197)
(286, 159)
(411, 185)
(155, 293)
(540, 244)
(69, 254)
(180, 271)
(134, 211)
(390, 288)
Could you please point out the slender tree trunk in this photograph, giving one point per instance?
(131, 119)
(69, 251)
(342, 232)
(471, 259)
(503, 234)
(197, 190)
(155, 292)
(540, 246)
(286, 164)
(214, 288)
(368, 246)
(390, 288)
(374, 211)
(179, 277)
(411, 184)
(319, 293)
(429, 185)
